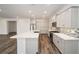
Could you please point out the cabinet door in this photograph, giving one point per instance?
(74, 18)
(59, 43)
(33, 48)
(63, 19)
(66, 18)
(78, 19)
(69, 18)
(59, 20)
(55, 40)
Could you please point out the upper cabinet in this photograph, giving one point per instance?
(68, 18)
(51, 20)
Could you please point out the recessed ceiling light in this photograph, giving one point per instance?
(33, 15)
(30, 11)
(45, 12)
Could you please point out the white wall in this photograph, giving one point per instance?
(3, 26)
(42, 25)
(12, 26)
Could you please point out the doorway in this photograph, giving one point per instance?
(12, 28)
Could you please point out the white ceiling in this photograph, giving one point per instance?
(29, 10)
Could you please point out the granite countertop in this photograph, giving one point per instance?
(65, 37)
(26, 35)
(52, 30)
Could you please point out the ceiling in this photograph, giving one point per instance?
(29, 10)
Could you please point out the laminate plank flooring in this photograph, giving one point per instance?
(9, 46)
(46, 47)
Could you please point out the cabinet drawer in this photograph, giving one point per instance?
(59, 43)
(55, 39)
(66, 46)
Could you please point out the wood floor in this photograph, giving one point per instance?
(8, 46)
(46, 47)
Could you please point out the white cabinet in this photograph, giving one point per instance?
(27, 43)
(23, 25)
(59, 21)
(59, 43)
(68, 18)
(66, 46)
(31, 46)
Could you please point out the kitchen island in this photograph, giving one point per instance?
(27, 43)
(66, 44)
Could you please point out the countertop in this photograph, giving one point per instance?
(52, 30)
(65, 37)
(26, 35)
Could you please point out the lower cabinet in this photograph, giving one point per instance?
(66, 46)
(32, 46)
(27, 45)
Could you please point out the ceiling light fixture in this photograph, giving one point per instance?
(33, 15)
(45, 12)
(30, 11)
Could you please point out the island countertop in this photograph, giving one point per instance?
(65, 37)
(26, 35)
